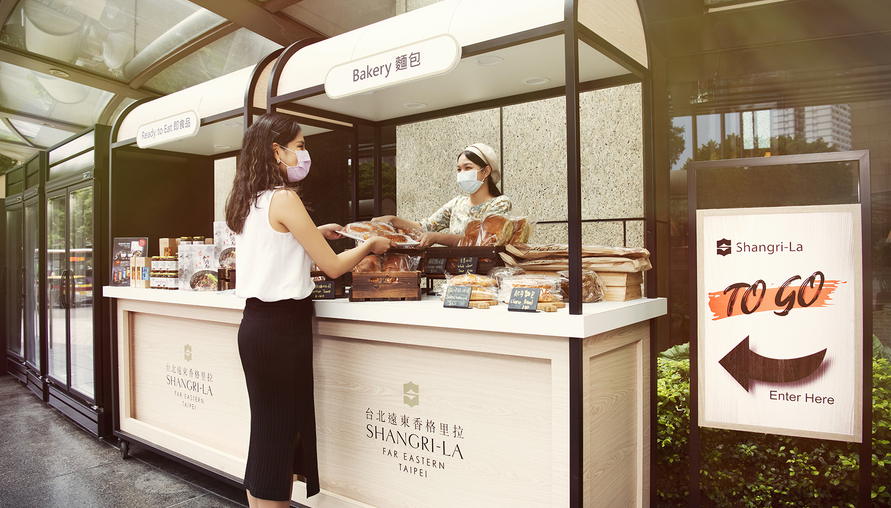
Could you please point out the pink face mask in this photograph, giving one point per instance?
(299, 172)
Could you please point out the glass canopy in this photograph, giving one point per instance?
(235, 51)
(116, 38)
(68, 64)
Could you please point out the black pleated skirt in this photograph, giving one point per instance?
(275, 345)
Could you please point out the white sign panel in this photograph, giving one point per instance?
(180, 126)
(437, 55)
(780, 320)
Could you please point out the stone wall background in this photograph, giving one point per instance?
(531, 139)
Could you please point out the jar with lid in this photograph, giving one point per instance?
(185, 240)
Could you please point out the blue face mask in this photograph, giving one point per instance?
(299, 172)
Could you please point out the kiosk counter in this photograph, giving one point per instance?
(417, 405)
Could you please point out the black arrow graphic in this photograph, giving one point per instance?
(743, 364)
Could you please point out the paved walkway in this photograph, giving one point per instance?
(47, 461)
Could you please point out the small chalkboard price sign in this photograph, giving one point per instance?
(524, 299)
(457, 296)
(435, 265)
(324, 290)
(466, 265)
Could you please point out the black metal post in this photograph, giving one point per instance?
(573, 159)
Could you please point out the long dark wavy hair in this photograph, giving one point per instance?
(257, 170)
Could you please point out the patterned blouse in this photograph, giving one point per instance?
(454, 216)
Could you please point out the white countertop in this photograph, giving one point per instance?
(595, 318)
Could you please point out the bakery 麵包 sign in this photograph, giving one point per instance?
(430, 57)
(780, 332)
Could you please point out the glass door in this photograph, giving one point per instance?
(80, 290)
(56, 271)
(15, 289)
(69, 287)
(31, 312)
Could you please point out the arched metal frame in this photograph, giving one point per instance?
(573, 32)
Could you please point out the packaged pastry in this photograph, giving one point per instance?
(367, 229)
(521, 232)
(471, 234)
(550, 286)
(499, 273)
(370, 263)
(471, 279)
(495, 230)
(412, 233)
(398, 262)
(483, 293)
(593, 287)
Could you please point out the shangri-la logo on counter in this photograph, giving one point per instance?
(187, 353)
(411, 394)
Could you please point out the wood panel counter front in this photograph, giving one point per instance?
(416, 405)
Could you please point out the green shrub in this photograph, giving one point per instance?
(749, 470)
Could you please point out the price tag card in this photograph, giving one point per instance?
(466, 265)
(524, 299)
(324, 290)
(435, 265)
(457, 296)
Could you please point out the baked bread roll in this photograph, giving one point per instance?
(370, 263)
(368, 229)
(394, 237)
(472, 279)
(593, 288)
(521, 230)
(495, 230)
(471, 234)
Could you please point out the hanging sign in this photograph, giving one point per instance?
(430, 57)
(172, 128)
(780, 320)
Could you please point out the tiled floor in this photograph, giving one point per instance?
(48, 461)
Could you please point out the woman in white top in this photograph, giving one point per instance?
(478, 172)
(277, 245)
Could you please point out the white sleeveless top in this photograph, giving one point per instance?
(271, 266)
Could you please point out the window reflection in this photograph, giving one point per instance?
(233, 52)
(117, 38)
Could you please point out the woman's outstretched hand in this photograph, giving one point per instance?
(379, 244)
(330, 231)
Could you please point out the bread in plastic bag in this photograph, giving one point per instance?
(593, 288)
(550, 287)
(483, 287)
(398, 262)
(471, 234)
(522, 229)
(499, 273)
(470, 279)
(495, 230)
(370, 263)
(368, 229)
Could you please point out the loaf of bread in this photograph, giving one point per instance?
(472, 279)
(495, 230)
(368, 229)
(370, 263)
(550, 287)
(521, 230)
(398, 262)
(471, 234)
(593, 288)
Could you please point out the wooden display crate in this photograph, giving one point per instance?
(487, 258)
(384, 286)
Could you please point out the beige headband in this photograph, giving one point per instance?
(489, 157)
